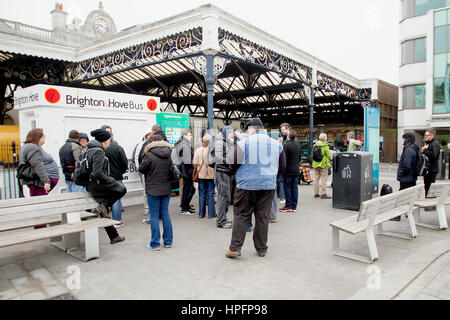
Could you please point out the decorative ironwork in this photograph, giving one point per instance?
(364, 94)
(200, 64)
(19, 69)
(164, 49)
(366, 104)
(236, 46)
(329, 83)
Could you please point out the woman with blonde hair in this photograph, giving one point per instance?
(206, 184)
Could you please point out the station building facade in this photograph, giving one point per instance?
(424, 96)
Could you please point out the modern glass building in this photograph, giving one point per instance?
(424, 99)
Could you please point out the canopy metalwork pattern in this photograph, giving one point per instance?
(251, 79)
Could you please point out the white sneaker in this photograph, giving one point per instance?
(282, 201)
(119, 225)
(187, 213)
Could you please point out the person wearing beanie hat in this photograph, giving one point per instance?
(104, 189)
(118, 165)
(406, 172)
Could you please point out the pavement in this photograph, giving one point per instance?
(299, 264)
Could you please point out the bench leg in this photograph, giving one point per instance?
(442, 217)
(340, 253)
(91, 242)
(412, 224)
(91, 246)
(416, 211)
(372, 244)
(335, 239)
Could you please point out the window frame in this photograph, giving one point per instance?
(413, 41)
(412, 99)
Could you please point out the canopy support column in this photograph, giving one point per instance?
(311, 120)
(210, 66)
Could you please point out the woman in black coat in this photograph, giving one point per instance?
(105, 189)
(157, 168)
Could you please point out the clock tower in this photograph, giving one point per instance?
(99, 23)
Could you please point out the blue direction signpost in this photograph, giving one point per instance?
(372, 141)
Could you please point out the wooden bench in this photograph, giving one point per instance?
(63, 212)
(437, 197)
(373, 213)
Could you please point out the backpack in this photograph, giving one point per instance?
(317, 153)
(422, 165)
(82, 173)
(385, 189)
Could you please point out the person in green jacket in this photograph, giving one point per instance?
(353, 145)
(321, 168)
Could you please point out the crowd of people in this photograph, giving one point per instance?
(253, 171)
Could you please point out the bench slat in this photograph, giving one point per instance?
(44, 206)
(26, 236)
(47, 212)
(31, 222)
(357, 227)
(42, 199)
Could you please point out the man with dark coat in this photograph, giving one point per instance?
(292, 173)
(68, 155)
(118, 165)
(406, 173)
(104, 189)
(432, 151)
(183, 154)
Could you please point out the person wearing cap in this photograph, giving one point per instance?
(104, 189)
(260, 160)
(68, 155)
(83, 140)
(406, 172)
(118, 164)
(224, 173)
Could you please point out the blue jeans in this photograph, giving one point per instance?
(206, 197)
(280, 189)
(159, 207)
(116, 209)
(72, 187)
(291, 191)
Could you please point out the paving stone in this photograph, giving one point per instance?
(426, 297)
(9, 294)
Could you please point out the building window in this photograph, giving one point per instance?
(414, 51)
(441, 74)
(413, 97)
(412, 8)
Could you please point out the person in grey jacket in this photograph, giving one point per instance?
(224, 173)
(42, 163)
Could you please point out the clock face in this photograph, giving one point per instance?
(101, 25)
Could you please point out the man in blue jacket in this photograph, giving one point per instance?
(406, 173)
(261, 160)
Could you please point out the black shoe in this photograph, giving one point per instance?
(261, 254)
(214, 216)
(191, 210)
(200, 217)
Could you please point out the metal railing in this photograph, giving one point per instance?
(10, 187)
